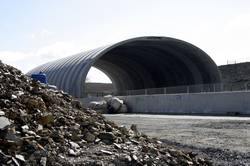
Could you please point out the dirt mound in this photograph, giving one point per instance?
(42, 126)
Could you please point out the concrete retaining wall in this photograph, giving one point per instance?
(221, 103)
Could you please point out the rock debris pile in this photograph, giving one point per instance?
(41, 126)
(109, 105)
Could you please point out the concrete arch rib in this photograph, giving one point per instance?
(143, 62)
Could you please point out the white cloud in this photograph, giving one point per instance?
(42, 34)
(14, 56)
(25, 61)
(237, 38)
(240, 22)
(58, 50)
(33, 36)
(230, 41)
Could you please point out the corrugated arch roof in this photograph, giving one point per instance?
(138, 63)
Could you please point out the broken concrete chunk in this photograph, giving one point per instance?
(20, 157)
(20, 93)
(4, 123)
(106, 152)
(16, 163)
(116, 103)
(2, 113)
(123, 109)
(25, 128)
(117, 146)
(72, 152)
(39, 127)
(134, 157)
(13, 97)
(109, 105)
(99, 106)
(74, 145)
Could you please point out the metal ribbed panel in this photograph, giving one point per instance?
(138, 66)
(68, 73)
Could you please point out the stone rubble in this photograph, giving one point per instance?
(109, 105)
(45, 126)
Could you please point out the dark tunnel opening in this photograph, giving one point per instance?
(156, 64)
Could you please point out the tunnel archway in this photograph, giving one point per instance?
(138, 63)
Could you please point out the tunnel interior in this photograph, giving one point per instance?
(144, 64)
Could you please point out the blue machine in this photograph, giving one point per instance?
(40, 77)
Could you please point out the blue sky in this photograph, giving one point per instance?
(33, 32)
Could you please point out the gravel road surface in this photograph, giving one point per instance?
(225, 140)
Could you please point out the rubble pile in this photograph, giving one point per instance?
(109, 105)
(41, 126)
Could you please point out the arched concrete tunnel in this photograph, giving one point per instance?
(138, 63)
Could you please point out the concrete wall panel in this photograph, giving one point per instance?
(222, 103)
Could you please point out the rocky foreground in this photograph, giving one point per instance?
(42, 126)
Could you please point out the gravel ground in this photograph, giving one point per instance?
(225, 140)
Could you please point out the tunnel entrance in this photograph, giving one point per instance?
(97, 83)
(151, 64)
